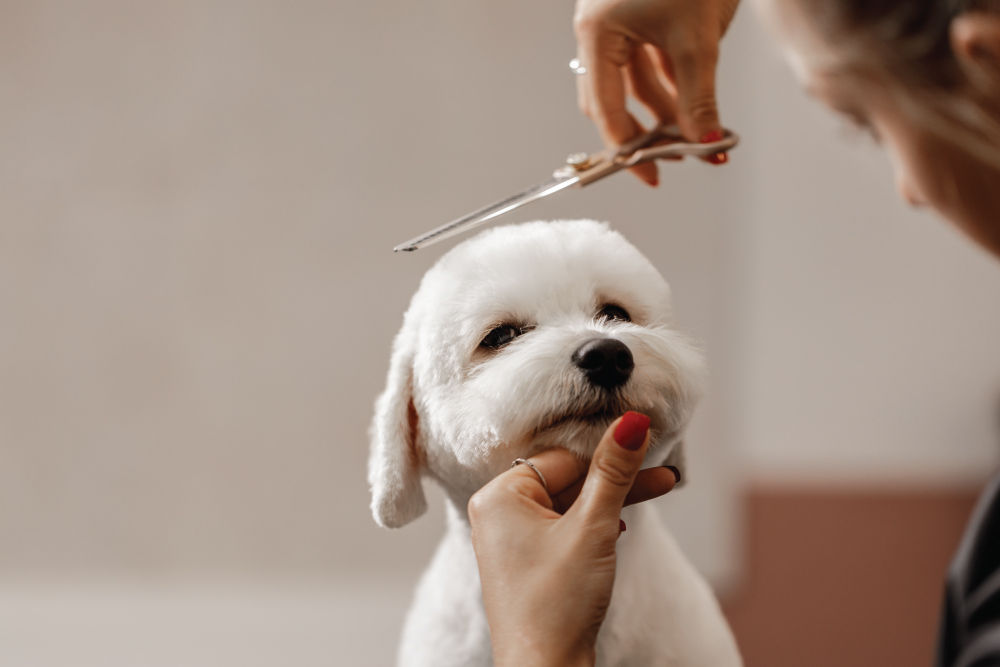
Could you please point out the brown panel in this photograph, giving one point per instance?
(844, 577)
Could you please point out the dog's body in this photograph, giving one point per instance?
(521, 339)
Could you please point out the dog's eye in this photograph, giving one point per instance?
(500, 336)
(611, 312)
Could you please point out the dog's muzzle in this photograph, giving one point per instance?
(605, 362)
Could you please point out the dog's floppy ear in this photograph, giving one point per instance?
(395, 461)
(677, 459)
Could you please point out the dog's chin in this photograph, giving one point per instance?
(580, 433)
(599, 417)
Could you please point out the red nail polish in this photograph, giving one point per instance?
(631, 430)
(621, 526)
(718, 158)
(714, 135)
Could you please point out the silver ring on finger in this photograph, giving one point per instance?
(534, 469)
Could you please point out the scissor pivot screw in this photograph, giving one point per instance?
(578, 161)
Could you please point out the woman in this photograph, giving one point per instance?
(923, 78)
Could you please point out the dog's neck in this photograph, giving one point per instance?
(456, 511)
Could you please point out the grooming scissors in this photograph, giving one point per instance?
(581, 169)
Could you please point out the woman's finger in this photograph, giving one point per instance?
(605, 55)
(582, 93)
(693, 62)
(649, 87)
(649, 483)
(613, 468)
(561, 468)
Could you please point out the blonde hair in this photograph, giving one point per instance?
(908, 43)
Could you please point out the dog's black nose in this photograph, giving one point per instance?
(605, 361)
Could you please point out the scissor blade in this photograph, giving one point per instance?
(486, 214)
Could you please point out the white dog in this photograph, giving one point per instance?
(520, 339)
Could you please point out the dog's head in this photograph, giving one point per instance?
(520, 339)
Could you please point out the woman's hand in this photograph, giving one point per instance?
(662, 52)
(546, 575)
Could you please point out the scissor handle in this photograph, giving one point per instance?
(648, 147)
(670, 133)
(680, 148)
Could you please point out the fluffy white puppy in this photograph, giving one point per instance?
(520, 339)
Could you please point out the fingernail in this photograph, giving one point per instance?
(677, 473)
(718, 158)
(621, 526)
(631, 430)
(709, 137)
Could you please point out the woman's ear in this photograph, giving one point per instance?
(975, 40)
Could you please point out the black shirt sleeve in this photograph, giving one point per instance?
(969, 634)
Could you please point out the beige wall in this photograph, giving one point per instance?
(871, 343)
(197, 295)
(197, 285)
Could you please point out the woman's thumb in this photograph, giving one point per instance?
(613, 468)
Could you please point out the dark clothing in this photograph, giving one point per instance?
(970, 619)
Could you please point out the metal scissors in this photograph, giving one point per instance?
(581, 169)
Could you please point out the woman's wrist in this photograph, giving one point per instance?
(526, 654)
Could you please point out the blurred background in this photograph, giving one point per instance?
(197, 299)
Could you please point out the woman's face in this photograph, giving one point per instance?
(929, 171)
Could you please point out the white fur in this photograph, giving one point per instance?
(459, 414)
